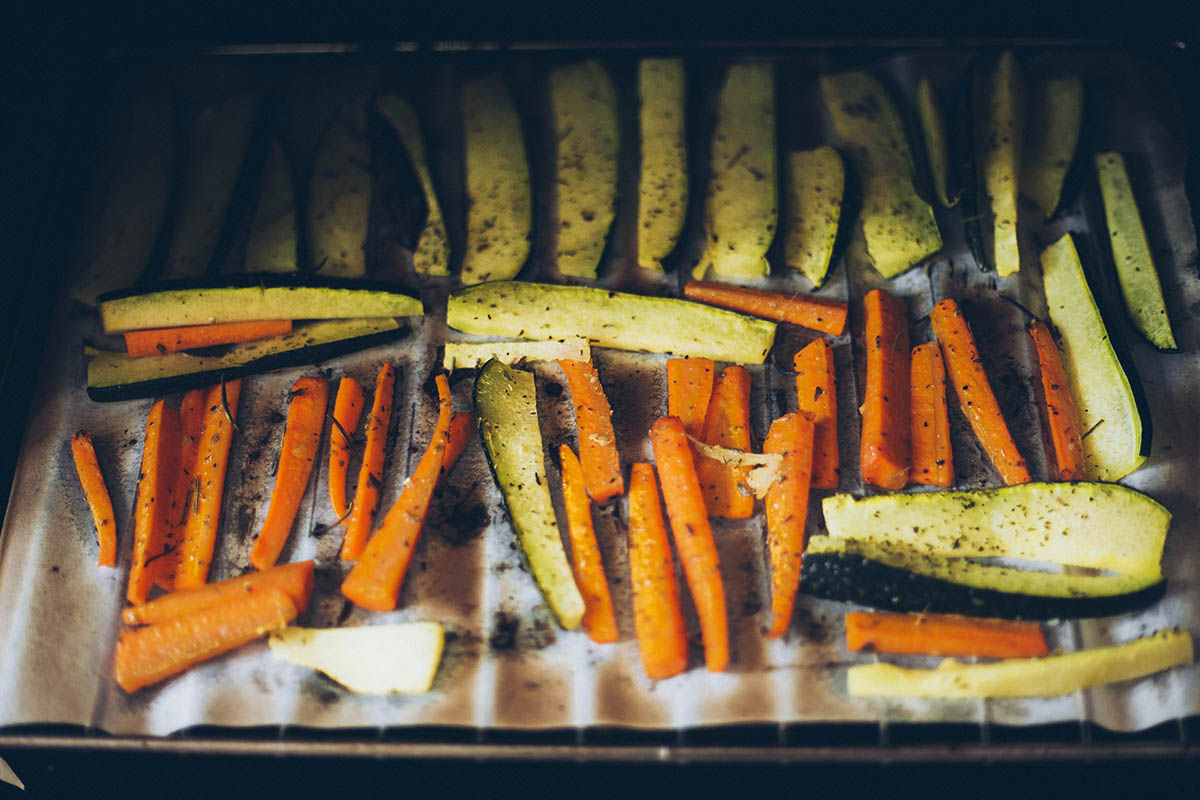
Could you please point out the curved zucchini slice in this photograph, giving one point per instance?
(1055, 122)
(622, 321)
(663, 178)
(271, 246)
(339, 195)
(816, 181)
(506, 411)
(937, 148)
(472, 355)
(998, 132)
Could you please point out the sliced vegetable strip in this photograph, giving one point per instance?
(816, 392)
(462, 429)
(657, 616)
(370, 474)
(295, 580)
(975, 393)
(826, 316)
(599, 618)
(726, 424)
(597, 441)
(96, 492)
(943, 635)
(787, 511)
(932, 459)
(375, 580)
(689, 388)
(347, 409)
(156, 341)
(886, 447)
(1060, 414)
(156, 507)
(693, 536)
(301, 438)
(191, 422)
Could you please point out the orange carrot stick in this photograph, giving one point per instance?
(156, 341)
(148, 655)
(932, 459)
(370, 474)
(826, 316)
(943, 635)
(96, 494)
(212, 459)
(886, 428)
(301, 438)
(975, 393)
(816, 391)
(155, 503)
(375, 581)
(599, 618)
(1060, 414)
(657, 616)
(462, 429)
(791, 436)
(693, 536)
(597, 441)
(727, 424)
(295, 580)
(347, 409)
(191, 419)
(689, 388)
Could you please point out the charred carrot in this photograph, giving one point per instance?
(886, 430)
(301, 438)
(375, 581)
(727, 424)
(1062, 419)
(932, 459)
(975, 396)
(295, 580)
(183, 491)
(148, 655)
(597, 441)
(157, 341)
(462, 428)
(943, 635)
(791, 436)
(826, 316)
(212, 458)
(155, 504)
(599, 618)
(689, 388)
(693, 536)
(657, 616)
(816, 391)
(347, 409)
(87, 466)
(370, 474)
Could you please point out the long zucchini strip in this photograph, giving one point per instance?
(663, 177)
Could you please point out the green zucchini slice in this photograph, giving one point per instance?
(663, 177)
(937, 148)
(271, 246)
(1055, 122)
(816, 181)
(998, 131)
(472, 355)
(339, 195)
(506, 411)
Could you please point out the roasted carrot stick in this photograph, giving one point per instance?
(347, 409)
(943, 635)
(689, 388)
(816, 391)
(301, 438)
(791, 436)
(826, 316)
(693, 536)
(155, 504)
(375, 581)
(295, 580)
(657, 615)
(96, 494)
(157, 341)
(975, 393)
(148, 655)
(212, 459)
(462, 428)
(1060, 414)
(885, 448)
(932, 459)
(599, 618)
(370, 474)
(191, 418)
(597, 441)
(727, 424)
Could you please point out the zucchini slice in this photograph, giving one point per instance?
(1131, 254)
(816, 181)
(741, 210)
(1055, 122)
(339, 195)
(1104, 395)
(937, 148)
(521, 310)
(584, 105)
(470, 355)
(663, 177)
(400, 658)
(271, 246)
(998, 131)
(506, 411)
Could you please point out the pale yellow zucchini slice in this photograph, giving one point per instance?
(1055, 121)
(271, 246)
(401, 658)
(816, 180)
(663, 177)
(339, 195)
(998, 131)
(937, 148)
(472, 355)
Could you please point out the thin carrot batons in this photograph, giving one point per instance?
(791, 436)
(462, 428)
(816, 392)
(87, 467)
(370, 474)
(943, 635)
(191, 422)
(826, 316)
(1062, 418)
(158, 341)
(932, 459)
(156, 505)
(599, 618)
(295, 580)
(347, 409)
(727, 424)
(886, 449)
(689, 388)
(597, 440)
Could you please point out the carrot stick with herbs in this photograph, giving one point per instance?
(599, 618)
(374, 582)
(87, 467)
(727, 424)
(826, 316)
(975, 395)
(886, 449)
(791, 436)
(689, 389)
(295, 580)
(158, 341)
(657, 615)
(191, 423)
(597, 440)
(932, 458)
(155, 504)
(1062, 418)
(462, 429)
(816, 392)
(347, 409)
(370, 474)
(693, 536)
(301, 438)
(943, 635)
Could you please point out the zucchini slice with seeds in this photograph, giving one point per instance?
(816, 181)
(663, 177)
